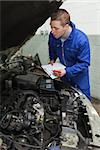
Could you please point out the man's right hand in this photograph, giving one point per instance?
(51, 62)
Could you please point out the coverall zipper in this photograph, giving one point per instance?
(62, 46)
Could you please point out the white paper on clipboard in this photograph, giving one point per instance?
(49, 69)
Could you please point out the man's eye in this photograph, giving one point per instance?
(54, 28)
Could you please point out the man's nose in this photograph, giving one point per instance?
(53, 30)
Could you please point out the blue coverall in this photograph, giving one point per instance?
(74, 53)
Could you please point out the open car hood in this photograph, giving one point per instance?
(21, 19)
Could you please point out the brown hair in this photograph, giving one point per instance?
(61, 15)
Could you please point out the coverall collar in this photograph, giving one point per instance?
(71, 34)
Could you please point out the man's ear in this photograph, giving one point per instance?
(66, 26)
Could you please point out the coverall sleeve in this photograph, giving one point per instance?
(83, 61)
(52, 53)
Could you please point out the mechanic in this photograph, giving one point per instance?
(72, 48)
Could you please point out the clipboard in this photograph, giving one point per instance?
(49, 69)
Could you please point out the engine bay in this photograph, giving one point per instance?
(38, 112)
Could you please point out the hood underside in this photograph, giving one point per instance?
(21, 19)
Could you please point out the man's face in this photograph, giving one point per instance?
(57, 29)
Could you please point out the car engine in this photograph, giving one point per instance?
(38, 113)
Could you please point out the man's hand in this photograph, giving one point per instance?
(51, 62)
(59, 73)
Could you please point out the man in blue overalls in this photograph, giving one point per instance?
(72, 48)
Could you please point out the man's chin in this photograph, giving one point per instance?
(56, 37)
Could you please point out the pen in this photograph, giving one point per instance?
(58, 71)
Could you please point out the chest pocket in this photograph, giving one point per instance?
(57, 45)
(70, 53)
(57, 48)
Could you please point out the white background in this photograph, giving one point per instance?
(84, 13)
